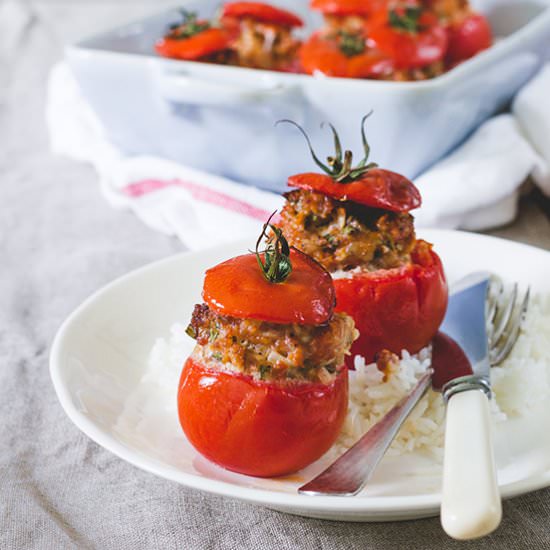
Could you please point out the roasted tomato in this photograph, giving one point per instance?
(343, 54)
(265, 390)
(238, 288)
(396, 309)
(355, 221)
(259, 11)
(468, 37)
(259, 428)
(376, 188)
(261, 35)
(412, 37)
(201, 45)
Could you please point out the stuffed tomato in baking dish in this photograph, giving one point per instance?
(261, 35)
(246, 34)
(193, 39)
(356, 222)
(265, 391)
(376, 39)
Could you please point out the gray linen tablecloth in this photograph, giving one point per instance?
(59, 242)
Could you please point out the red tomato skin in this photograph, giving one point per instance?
(448, 361)
(259, 428)
(347, 7)
(394, 309)
(323, 54)
(238, 288)
(410, 50)
(261, 12)
(470, 36)
(195, 47)
(376, 188)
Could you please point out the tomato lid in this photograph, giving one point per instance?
(332, 56)
(376, 188)
(193, 47)
(364, 183)
(277, 285)
(411, 36)
(346, 7)
(262, 12)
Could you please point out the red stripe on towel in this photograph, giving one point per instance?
(198, 192)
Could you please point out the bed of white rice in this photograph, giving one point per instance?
(519, 384)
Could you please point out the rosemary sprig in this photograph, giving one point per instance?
(351, 44)
(275, 265)
(188, 26)
(339, 166)
(406, 19)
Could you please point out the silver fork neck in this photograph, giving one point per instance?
(466, 383)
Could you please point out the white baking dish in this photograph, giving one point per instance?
(221, 118)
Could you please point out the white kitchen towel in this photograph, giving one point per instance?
(475, 187)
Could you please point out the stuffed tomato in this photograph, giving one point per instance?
(261, 35)
(195, 39)
(265, 390)
(376, 39)
(340, 48)
(356, 222)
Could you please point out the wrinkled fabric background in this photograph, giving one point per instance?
(59, 242)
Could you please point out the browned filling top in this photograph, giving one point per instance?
(344, 23)
(271, 351)
(343, 235)
(265, 46)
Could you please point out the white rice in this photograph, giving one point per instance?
(371, 397)
(519, 385)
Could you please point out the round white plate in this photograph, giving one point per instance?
(100, 354)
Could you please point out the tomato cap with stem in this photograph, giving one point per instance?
(364, 183)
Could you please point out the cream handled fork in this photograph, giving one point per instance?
(486, 331)
(348, 474)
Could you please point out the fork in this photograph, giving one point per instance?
(347, 475)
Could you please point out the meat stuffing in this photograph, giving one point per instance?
(271, 351)
(343, 235)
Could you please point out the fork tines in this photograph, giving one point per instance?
(506, 311)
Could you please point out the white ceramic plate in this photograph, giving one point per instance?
(100, 354)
